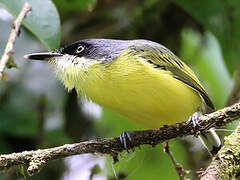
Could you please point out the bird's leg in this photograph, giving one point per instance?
(209, 138)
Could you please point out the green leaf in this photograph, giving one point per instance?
(43, 21)
(11, 63)
(21, 171)
(222, 18)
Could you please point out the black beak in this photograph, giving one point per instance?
(42, 56)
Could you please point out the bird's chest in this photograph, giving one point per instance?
(151, 98)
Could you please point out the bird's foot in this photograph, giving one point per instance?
(126, 139)
(194, 119)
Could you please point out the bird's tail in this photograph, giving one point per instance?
(211, 141)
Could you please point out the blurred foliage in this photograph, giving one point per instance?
(66, 8)
(203, 53)
(43, 21)
(35, 111)
(222, 18)
(145, 162)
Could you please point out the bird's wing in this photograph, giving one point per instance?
(164, 59)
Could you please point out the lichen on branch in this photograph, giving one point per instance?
(226, 165)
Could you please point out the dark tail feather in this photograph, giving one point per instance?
(211, 141)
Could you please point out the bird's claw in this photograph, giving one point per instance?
(126, 139)
(194, 119)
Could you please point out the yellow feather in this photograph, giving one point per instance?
(133, 88)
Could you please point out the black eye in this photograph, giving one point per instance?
(79, 49)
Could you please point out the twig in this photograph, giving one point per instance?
(226, 165)
(9, 50)
(181, 171)
(112, 146)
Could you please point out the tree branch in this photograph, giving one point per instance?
(34, 160)
(226, 165)
(9, 50)
(181, 171)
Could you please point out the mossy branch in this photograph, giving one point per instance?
(226, 165)
(35, 160)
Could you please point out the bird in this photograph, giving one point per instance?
(140, 79)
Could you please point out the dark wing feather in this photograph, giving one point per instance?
(180, 75)
(164, 59)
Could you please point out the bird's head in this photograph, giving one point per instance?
(73, 61)
(82, 54)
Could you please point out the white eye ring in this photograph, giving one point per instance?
(79, 49)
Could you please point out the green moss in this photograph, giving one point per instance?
(229, 157)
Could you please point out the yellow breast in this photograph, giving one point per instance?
(133, 88)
